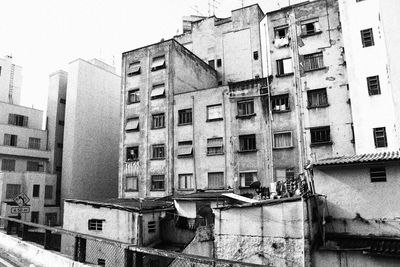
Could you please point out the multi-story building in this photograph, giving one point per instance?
(10, 81)
(83, 122)
(25, 164)
(372, 62)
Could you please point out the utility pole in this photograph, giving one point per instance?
(299, 110)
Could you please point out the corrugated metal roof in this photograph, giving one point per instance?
(362, 158)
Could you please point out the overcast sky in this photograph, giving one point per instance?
(45, 35)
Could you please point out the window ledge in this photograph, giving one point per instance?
(131, 74)
(247, 151)
(284, 75)
(184, 124)
(157, 190)
(245, 116)
(321, 106)
(310, 34)
(281, 111)
(216, 119)
(132, 160)
(185, 156)
(327, 143)
(132, 130)
(157, 158)
(185, 189)
(281, 148)
(157, 97)
(130, 103)
(157, 128)
(216, 154)
(245, 187)
(131, 190)
(322, 68)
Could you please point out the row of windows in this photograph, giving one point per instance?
(12, 190)
(12, 140)
(134, 68)
(310, 62)
(158, 91)
(308, 27)
(31, 166)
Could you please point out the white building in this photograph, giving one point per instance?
(10, 81)
(372, 63)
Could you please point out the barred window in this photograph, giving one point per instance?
(158, 151)
(12, 190)
(8, 165)
(157, 182)
(374, 87)
(18, 120)
(186, 181)
(367, 37)
(48, 192)
(151, 226)
(34, 143)
(133, 96)
(380, 137)
(320, 135)
(313, 61)
(185, 116)
(95, 225)
(247, 143)
(317, 98)
(280, 103)
(215, 146)
(283, 140)
(245, 108)
(158, 121)
(10, 140)
(378, 174)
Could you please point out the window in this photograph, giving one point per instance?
(281, 31)
(320, 135)
(8, 165)
(12, 190)
(185, 149)
(185, 116)
(367, 37)
(48, 192)
(35, 216)
(247, 178)
(284, 67)
(10, 140)
(158, 121)
(36, 190)
(219, 63)
(380, 137)
(132, 153)
(60, 145)
(280, 103)
(247, 143)
(131, 183)
(95, 225)
(151, 226)
(214, 112)
(378, 174)
(284, 174)
(101, 262)
(34, 143)
(255, 55)
(157, 183)
(215, 146)
(51, 219)
(185, 181)
(158, 151)
(317, 98)
(211, 63)
(310, 27)
(374, 87)
(134, 68)
(133, 96)
(283, 140)
(18, 120)
(158, 63)
(62, 101)
(132, 124)
(60, 122)
(34, 166)
(245, 108)
(313, 61)
(158, 91)
(215, 180)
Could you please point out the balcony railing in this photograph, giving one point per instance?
(131, 168)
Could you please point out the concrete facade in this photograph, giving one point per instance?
(90, 141)
(24, 160)
(226, 41)
(379, 58)
(307, 92)
(10, 81)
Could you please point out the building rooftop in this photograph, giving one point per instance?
(209, 195)
(359, 159)
(128, 204)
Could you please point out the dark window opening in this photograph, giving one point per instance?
(380, 137)
(320, 135)
(157, 182)
(158, 121)
(367, 37)
(374, 87)
(185, 116)
(132, 153)
(317, 98)
(247, 143)
(377, 174)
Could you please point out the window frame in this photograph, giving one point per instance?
(186, 176)
(377, 174)
(208, 113)
(280, 66)
(137, 183)
(219, 186)
(221, 147)
(160, 116)
(132, 129)
(316, 58)
(9, 163)
(382, 131)
(187, 144)
(284, 27)
(15, 190)
(311, 93)
(152, 185)
(34, 143)
(18, 120)
(282, 98)
(135, 93)
(316, 29)
(158, 67)
(10, 140)
(282, 133)
(183, 115)
(48, 192)
(323, 142)
(95, 225)
(154, 153)
(131, 158)
(373, 85)
(30, 164)
(151, 227)
(134, 68)
(243, 174)
(155, 87)
(243, 143)
(36, 190)
(367, 41)
(248, 105)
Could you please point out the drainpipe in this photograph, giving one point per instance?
(193, 146)
(225, 140)
(140, 224)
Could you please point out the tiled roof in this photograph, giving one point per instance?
(363, 158)
(377, 245)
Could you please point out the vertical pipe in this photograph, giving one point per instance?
(194, 145)
(225, 140)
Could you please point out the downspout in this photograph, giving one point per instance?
(193, 147)
(225, 140)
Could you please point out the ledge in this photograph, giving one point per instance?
(284, 75)
(281, 111)
(282, 148)
(216, 119)
(185, 156)
(216, 154)
(310, 34)
(327, 143)
(184, 124)
(247, 151)
(321, 106)
(322, 68)
(158, 158)
(245, 116)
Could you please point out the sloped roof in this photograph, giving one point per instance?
(358, 159)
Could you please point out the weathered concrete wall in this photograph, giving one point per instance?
(270, 234)
(351, 258)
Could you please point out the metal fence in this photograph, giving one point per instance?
(105, 252)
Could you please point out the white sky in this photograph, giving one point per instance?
(45, 35)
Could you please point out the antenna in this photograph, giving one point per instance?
(212, 4)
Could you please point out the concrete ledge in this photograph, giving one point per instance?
(35, 254)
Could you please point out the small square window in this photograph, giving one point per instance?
(185, 149)
(185, 116)
(245, 108)
(95, 225)
(219, 63)
(131, 183)
(374, 87)
(158, 63)
(133, 68)
(380, 137)
(280, 103)
(313, 61)
(320, 135)
(132, 124)
(62, 101)
(247, 143)
(132, 153)
(283, 140)
(284, 67)
(133, 96)
(158, 121)
(310, 27)
(367, 37)
(101, 262)
(317, 98)
(185, 181)
(158, 91)
(157, 183)
(378, 174)
(36, 190)
(61, 123)
(215, 180)
(215, 146)
(281, 31)
(247, 178)
(214, 112)
(158, 151)
(60, 145)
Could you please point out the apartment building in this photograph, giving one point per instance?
(25, 163)
(309, 98)
(372, 62)
(10, 81)
(223, 42)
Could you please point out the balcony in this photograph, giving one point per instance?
(131, 168)
(25, 152)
